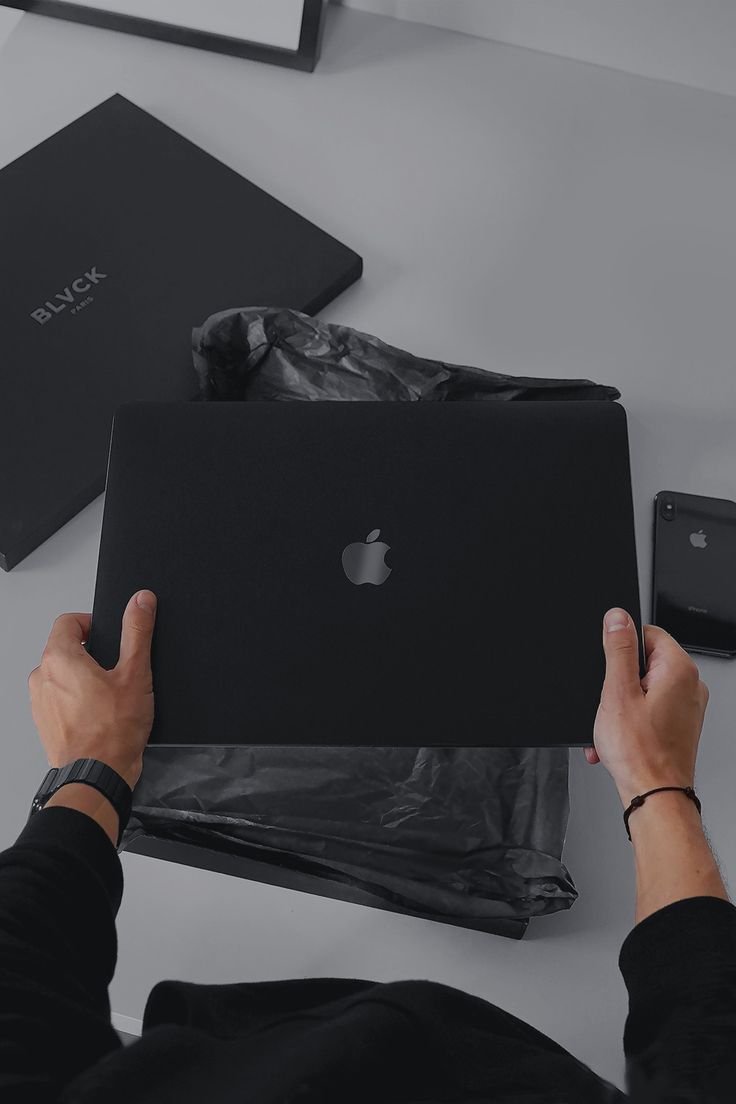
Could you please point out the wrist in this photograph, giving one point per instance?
(92, 786)
(635, 785)
(128, 768)
(671, 853)
(668, 813)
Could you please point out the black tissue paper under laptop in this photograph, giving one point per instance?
(267, 353)
(468, 836)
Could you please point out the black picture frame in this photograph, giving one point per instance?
(305, 57)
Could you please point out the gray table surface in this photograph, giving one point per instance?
(515, 211)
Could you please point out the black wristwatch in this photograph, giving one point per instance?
(90, 772)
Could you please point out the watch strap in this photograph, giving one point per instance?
(89, 772)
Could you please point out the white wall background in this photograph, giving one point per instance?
(692, 42)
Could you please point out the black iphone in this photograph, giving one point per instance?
(694, 585)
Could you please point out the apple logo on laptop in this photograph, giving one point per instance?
(364, 562)
(699, 539)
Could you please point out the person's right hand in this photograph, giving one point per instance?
(647, 730)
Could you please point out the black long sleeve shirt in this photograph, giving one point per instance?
(324, 1040)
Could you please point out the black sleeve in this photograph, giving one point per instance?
(60, 889)
(679, 966)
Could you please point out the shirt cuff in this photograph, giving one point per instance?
(679, 950)
(74, 832)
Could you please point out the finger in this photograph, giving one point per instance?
(137, 631)
(663, 654)
(591, 755)
(69, 632)
(656, 639)
(621, 647)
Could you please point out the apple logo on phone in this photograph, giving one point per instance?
(699, 539)
(364, 562)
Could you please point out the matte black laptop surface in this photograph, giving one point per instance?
(370, 573)
(118, 236)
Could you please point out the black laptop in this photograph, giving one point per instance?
(370, 573)
(118, 236)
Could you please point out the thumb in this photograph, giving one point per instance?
(622, 653)
(135, 639)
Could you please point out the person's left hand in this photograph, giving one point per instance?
(83, 711)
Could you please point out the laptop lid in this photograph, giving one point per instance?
(370, 573)
(118, 236)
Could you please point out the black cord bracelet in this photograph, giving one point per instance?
(637, 802)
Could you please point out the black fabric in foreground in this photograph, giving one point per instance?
(679, 966)
(324, 1040)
